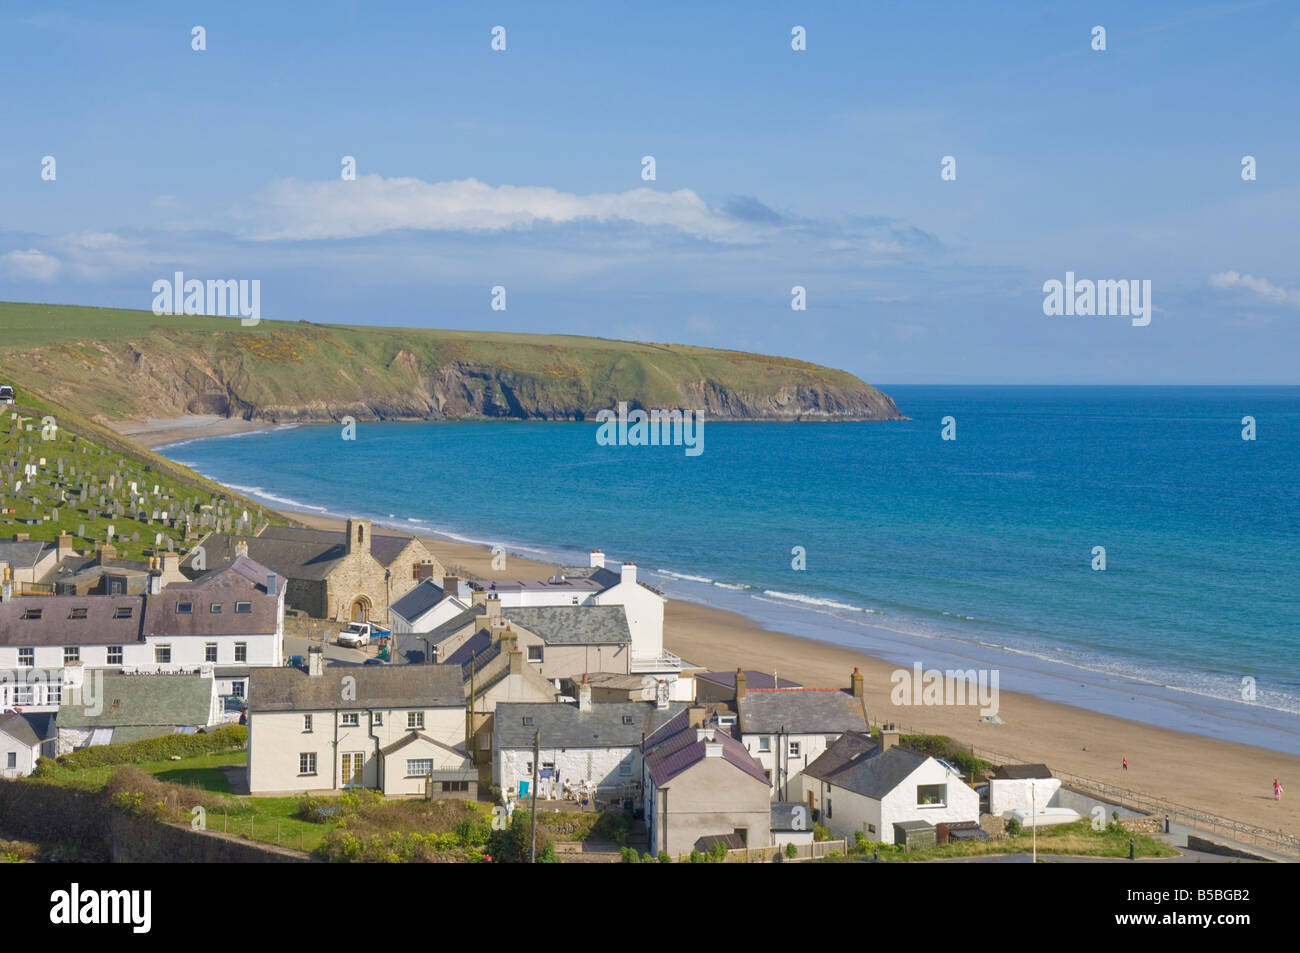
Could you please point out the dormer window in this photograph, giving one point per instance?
(32, 613)
(528, 721)
(185, 608)
(243, 607)
(627, 719)
(122, 612)
(215, 608)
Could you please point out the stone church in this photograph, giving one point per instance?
(348, 576)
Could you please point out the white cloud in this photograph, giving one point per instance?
(1226, 280)
(32, 264)
(371, 204)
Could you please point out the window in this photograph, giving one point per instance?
(455, 785)
(185, 608)
(162, 654)
(71, 653)
(32, 613)
(306, 722)
(830, 812)
(931, 795)
(12, 761)
(575, 600)
(122, 612)
(377, 719)
(627, 719)
(54, 693)
(79, 613)
(794, 749)
(237, 688)
(115, 655)
(241, 651)
(534, 653)
(415, 571)
(871, 828)
(625, 769)
(215, 608)
(767, 774)
(243, 607)
(209, 651)
(351, 719)
(528, 721)
(307, 763)
(764, 743)
(115, 587)
(27, 657)
(415, 720)
(23, 695)
(418, 767)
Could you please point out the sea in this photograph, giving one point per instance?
(1122, 549)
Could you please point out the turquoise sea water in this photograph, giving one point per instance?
(975, 552)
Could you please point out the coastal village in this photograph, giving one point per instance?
(355, 661)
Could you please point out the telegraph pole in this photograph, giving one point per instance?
(532, 848)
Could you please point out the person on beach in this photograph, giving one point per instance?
(1277, 790)
(1126, 764)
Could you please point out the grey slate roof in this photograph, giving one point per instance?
(861, 767)
(296, 552)
(418, 601)
(56, 626)
(753, 679)
(157, 701)
(28, 728)
(376, 686)
(800, 711)
(243, 580)
(23, 554)
(1021, 772)
(411, 645)
(573, 625)
(676, 748)
(607, 725)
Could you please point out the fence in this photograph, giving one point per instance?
(1280, 842)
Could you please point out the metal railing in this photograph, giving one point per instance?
(1280, 842)
(660, 662)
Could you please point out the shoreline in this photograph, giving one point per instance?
(1164, 762)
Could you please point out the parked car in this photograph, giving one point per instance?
(6, 394)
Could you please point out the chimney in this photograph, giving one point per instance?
(272, 584)
(584, 694)
(478, 597)
(856, 683)
(450, 586)
(315, 657)
(516, 662)
(661, 695)
(22, 537)
(742, 684)
(493, 605)
(7, 587)
(106, 552)
(888, 736)
(509, 639)
(629, 573)
(703, 734)
(64, 546)
(597, 559)
(155, 583)
(241, 548)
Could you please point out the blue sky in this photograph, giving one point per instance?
(774, 168)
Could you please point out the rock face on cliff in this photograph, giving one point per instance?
(134, 364)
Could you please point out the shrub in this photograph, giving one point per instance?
(629, 855)
(1013, 827)
(821, 832)
(611, 825)
(664, 858)
(791, 851)
(225, 738)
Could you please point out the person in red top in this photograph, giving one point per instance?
(1277, 790)
(1126, 764)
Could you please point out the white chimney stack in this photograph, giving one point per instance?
(315, 667)
(597, 559)
(155, 583)
(584, 695)
(629, 573)
(241, 548)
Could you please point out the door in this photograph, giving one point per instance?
(353, 769)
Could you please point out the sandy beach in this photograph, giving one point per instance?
(154, 431)
(1221, 777)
